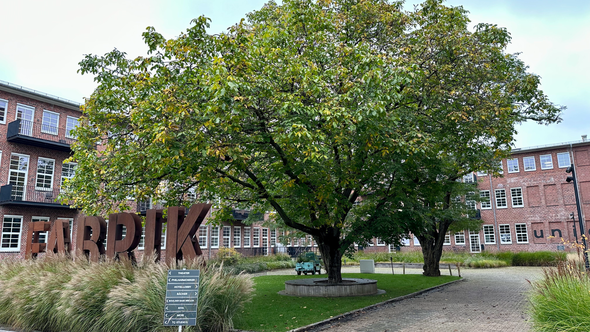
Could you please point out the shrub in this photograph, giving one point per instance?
(539, 258)
(228, 256)
(56, 293)
(484, 262)
(560, 301)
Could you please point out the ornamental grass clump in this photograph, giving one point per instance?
(58, 293)
(560, 301)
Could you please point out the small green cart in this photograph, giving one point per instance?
(308, 263)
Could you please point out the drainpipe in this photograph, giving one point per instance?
(581, 218)
(497, 230)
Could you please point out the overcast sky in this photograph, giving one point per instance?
(43, 41)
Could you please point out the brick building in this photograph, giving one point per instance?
(531, 207)
(35, 138)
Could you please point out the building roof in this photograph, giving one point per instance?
(553, 146)
(38, 95)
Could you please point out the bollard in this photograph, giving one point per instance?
(404, 265)
(450, 272)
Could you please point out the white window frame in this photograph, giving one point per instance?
(502, 231)
(501, 167)
(51, 127)
(69, 128)
(256, 237)
(530, 160)
(520, 234)
(237, 237)
(25, 172)
(483, 204)
(273, 238)
(501, 198)
(515, 197)
(489, 236)
(43, 236)
(214, 237)
(559, 161)
(64, 176)
(512, 165)
(474, 235)
(248, 237)
(2, 233)
(545, 156)
(460, 235)
(203, 237)
(226, 236)
(380, 243)
(405, 242)
(468, 178)
(482, 173)
(141, 245)
(3, 110)
(51, 176)
(416, 242)
(447, 240)
(30, 108)
(265, 240)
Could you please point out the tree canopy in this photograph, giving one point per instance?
(338, 115)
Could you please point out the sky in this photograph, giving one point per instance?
(43, 41)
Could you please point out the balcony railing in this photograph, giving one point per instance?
(38, 134)
(14, 194)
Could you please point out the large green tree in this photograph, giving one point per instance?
(325, 112)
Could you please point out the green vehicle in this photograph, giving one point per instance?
(308, 263)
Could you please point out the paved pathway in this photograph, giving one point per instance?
(487, 300)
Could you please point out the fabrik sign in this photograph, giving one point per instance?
(181, 242)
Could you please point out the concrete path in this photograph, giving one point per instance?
(487, 300)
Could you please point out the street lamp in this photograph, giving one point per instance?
(569, 179)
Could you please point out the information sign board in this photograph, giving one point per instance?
(182, 294)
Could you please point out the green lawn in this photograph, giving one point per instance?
(270, 311)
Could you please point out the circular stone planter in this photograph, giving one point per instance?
(320, 287)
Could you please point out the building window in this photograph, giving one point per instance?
(273, 237)
(68, 170)
(501, 199)
(563, 160)
(529, 164)
(3, 107)
(501, 166)
(256, 237)
(513, 165)
(447, 241)
(141, 245)
(505, 235)
(25, 114)
(50, 122)
(488, 234)
(546, 161)
(405, 242)
(468, 178)
(11, 229)
(226, 236)
(474, 244)
(380, 242)
(43, 235)
(485, 196)
(265, 240)
(482, 173)
(516, 194)
(416, 242)
(45, 169)
(470, 201)
(246, 237)
(17, 176)
(460, 238)
(237, 237)
(164, 232)
(71, 124)
(521, 233)
(203, 237)
(214, 237)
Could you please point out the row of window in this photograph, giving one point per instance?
(529, 164)
(19, 170)
(501, 198)
(49, 124)
(11, 231)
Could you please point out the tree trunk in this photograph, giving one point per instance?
(432, 252)
(329, 245)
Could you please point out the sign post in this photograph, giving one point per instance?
(182, 294)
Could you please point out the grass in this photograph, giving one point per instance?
(270, 311)
(234, 262)
(58, 293)
(561, 300)
(481, 260)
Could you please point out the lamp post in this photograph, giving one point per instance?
(569, 179)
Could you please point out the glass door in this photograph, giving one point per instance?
(474, 243)
(17, 176)
(25, 114)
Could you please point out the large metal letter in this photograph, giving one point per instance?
(181, 242)
(59, 237)
(153, 233)
(33, 246)
(117, 246)
(90, 237)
